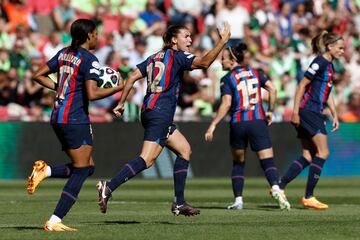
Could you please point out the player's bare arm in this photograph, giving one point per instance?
(331, 104)
(41, 77)
(205, 61)
(220, 114)
(295, 119)
(269, 86)
(134, 76)
(95, 93)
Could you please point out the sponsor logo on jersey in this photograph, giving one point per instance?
(96, 67)
(313, 68)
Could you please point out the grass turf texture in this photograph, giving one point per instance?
(140, 209)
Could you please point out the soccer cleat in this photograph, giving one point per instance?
(184, 209)
(38, 174)
(279, 196)
(236, 206)
(57, 227)
(104, 195)
(313, 203)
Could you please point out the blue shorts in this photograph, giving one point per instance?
(256, 132)
(157, 128)
(73, 136)
(311, 123)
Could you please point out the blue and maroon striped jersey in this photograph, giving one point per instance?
(164, 71)
(244, 84)
(73, 68)
(321, 73)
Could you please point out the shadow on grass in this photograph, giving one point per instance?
(211, 207)
(23, 228)
(259, 207)
(113, 222)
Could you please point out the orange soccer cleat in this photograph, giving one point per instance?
(38, 174)
(57, 227)
(313, 203)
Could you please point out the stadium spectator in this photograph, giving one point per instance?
(63, 13)
(53, 45)
(18, 13)
(19, 58)
(4, 60)
(123, 39)
(184, 11)
(353, 108)
(151, 14)
(5, 41)
(307, 18)
(131, 8)
(238, 18)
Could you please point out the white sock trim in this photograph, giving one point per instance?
(275, 187)
(48, 171)
(54, 219)
(238, 200)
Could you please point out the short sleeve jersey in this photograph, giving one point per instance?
(321, 74)
(164, 72)
(244, 84)
(73, 68)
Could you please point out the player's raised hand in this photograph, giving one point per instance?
(119, 110)
(295, 119)
(209, 135)
(224, 32)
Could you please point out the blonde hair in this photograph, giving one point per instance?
(321, 41)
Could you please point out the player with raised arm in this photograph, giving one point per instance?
(313, 94)
(164, 73)
(77, 75)
(241, 94)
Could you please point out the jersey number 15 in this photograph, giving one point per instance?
(249, 93)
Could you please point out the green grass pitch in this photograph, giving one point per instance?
(140, 210)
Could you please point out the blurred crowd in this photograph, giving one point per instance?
(277, 32)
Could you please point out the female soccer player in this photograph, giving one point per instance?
(241, 94)
(164, 72)
(312, 95)
(77, 75)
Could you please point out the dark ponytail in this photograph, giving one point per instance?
(238, 52)
(171, 32)
(321, 41)
(79, 31)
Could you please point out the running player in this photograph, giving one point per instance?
(312, 95)
(77, 75)
(164, 72)
(241, 94)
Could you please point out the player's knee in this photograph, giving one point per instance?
(149, 162)
(186, 153)
(324, 154)
(307, 155)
